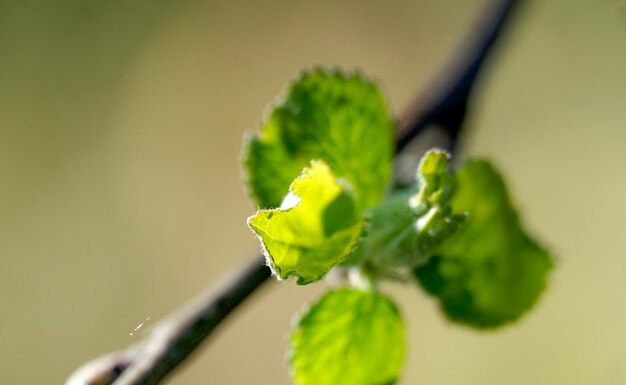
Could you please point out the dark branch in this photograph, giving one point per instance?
(172, 340)
(445, 103)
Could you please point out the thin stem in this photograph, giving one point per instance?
(176, 337)
(173, 339)
(445, 103)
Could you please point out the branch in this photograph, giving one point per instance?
(173, 339)
(445, 103)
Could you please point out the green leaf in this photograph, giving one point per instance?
(490, 271)
(316, 227)
(436, 218)
(390, 238)
(349, 337)
(337, 117)
(406, 228)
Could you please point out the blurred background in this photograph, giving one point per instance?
(120, 193)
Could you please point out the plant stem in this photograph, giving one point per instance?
(445, 103)
(173, 339)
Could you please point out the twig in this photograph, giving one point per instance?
(172, 340)
(175, 337)
(445, 103)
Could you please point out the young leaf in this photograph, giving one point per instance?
(436, 218)
(406, 228)
(391, 239)
(349, 337)
(329, 115)
(489, 272)
(316, 227)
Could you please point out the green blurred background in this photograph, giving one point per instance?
(120, 194)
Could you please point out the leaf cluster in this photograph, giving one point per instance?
(319, 170)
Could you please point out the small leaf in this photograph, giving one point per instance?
(489, 272)
(390, 237)
(436, 219)
(316, 227)
(349, 337)
(329, 115)
(406, 228)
